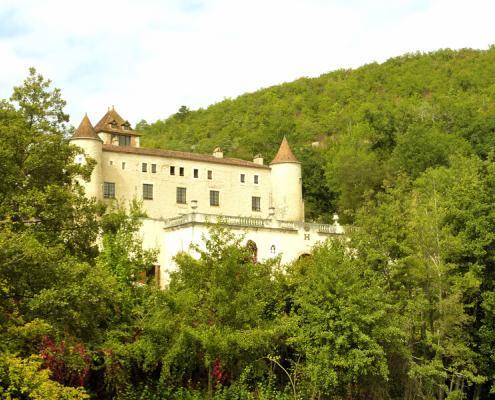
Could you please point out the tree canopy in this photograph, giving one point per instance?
(372, 123)
(402, 307)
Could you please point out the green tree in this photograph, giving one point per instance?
(429, 239)
(25, 379)
(421, 148)
(122, 250)
(319, 198)
(48, 233)
(344, 327)
(37, 189)
(225, 307)
(354, 171)
(41, 108)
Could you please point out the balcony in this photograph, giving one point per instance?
(249, 222)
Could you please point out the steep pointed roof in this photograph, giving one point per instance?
(284, 154)
(85, 130)
(112, 122)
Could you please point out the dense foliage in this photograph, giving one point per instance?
(403, 307)
(403, 116)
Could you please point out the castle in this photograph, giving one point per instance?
(182, 193)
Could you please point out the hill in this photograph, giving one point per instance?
(403, 308)
(373, 123)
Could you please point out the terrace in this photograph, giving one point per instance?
(250, 222)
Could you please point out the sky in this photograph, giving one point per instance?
(149, 57)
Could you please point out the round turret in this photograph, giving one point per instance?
(287, 185)
(86, 138)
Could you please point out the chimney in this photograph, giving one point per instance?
(258, 159)
(218, 153)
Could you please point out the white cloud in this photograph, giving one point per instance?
(150, 57)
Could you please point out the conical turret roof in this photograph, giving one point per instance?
(284, 154)
(85, 130)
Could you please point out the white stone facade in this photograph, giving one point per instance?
(234, 196)
(183, 193)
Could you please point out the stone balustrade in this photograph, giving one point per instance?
(250, 222)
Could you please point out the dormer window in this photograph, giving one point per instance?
(126, 126)
(113, 124)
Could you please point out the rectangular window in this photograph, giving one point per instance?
(181, 195)
(123, 164)
(256, 203)
(196, 173)
(109, 190)
(172, 170)
(147, 191)
(243, 178)
(214, 198)
(153, 168)
(181, 171)
(256, 179)
(124, 140)
(210, 175)
(144, 167)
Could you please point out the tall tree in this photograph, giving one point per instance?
(37, 189)
(422, 237)
(344, 328)
(41, 106)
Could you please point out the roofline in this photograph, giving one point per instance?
(183, 156)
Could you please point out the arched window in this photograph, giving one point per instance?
(253, 250)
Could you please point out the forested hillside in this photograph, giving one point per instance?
(373, 123)
(401, 308)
